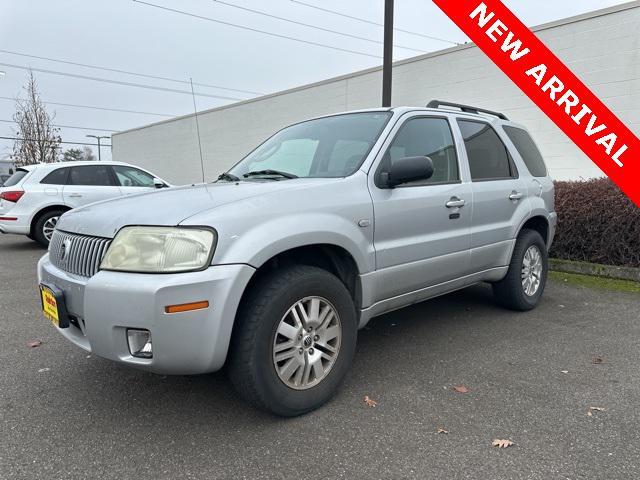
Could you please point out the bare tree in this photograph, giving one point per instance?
(38, 140)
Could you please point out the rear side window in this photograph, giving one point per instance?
(488, 156)
(91, 175)
(15, 178)
(57, 177)
(527, 150)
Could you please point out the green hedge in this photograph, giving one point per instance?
(596, 223)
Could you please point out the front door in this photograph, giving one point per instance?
(422, 232)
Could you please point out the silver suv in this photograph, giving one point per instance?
(273, 268)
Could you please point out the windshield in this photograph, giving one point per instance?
(327, 147)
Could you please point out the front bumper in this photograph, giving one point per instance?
(104, 306)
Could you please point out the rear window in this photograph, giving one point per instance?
(15, 178)
(527, 150)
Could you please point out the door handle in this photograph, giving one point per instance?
(455, 202)
(75, 195)
(515, 195)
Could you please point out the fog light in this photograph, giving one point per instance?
(140, 343)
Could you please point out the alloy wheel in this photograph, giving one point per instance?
(48, 227)
(307, 343)
(531, 270)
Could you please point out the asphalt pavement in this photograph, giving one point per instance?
(531, 379)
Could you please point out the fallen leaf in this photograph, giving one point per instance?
(565, 371)
(596, 409)
(42, 370)
(597, 360)
(370, 402)
(460, 389)
(34, 343)
(442, 430)
(501, 443)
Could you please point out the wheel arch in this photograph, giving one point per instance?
(44, 210)
(540, 224)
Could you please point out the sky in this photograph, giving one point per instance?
(233, 63)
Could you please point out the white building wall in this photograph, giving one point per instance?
(602, 48)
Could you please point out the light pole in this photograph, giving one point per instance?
(2, 74)
(387, 64)
(98, 138)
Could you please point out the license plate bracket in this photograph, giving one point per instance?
(53, 305)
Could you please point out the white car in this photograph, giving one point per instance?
(32, 200)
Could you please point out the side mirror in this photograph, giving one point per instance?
(158, 183)
(408, 169)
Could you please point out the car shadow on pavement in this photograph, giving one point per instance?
(25, 246)
(211, 398)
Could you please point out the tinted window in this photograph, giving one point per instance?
(57, 177)
(90, 175)
(488, 157)
(432, 138)
(527, 150)
(15, 178)
(132, 177)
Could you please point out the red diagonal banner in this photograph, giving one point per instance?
(553, 87)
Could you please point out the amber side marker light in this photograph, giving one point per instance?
(186, 307)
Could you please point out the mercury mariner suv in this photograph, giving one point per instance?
(273, 268)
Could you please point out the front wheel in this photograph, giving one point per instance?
(294, 340)
(526, 278)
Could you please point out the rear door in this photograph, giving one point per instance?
(133, 180)
(421, 228)
(88, 184)
(499, 195)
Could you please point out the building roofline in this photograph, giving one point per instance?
(545, 26)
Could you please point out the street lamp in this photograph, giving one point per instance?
(2, 74)
(98, 138)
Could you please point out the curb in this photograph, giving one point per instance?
(595, 269)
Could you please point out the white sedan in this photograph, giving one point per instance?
(32, 200)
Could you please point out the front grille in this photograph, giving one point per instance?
(77, 254)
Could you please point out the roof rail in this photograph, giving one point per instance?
(465, 108)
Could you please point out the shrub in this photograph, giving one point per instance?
(596, 223)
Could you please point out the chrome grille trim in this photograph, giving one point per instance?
(83, 253)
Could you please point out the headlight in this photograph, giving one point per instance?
(160, 250)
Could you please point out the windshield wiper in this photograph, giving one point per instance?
(229, 177)
(270, 172)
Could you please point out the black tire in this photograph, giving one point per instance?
(38, 232)
(251, 363)
(509, 292)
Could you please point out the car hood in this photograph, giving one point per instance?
(166, 207)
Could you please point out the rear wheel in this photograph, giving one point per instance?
(45, 225)
(526, 278)
(294, 341)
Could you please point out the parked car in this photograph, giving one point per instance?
(273, 268)
(3, 178)
(34, 197)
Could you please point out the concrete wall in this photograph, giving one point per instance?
(602, 48)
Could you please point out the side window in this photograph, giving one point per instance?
(132, 177)
(432, 138)
(97, 176)
(488, 156)
(57, 177)
(527, 150)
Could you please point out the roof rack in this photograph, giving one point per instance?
(465, 108)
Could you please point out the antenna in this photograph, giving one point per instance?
(195, 112)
